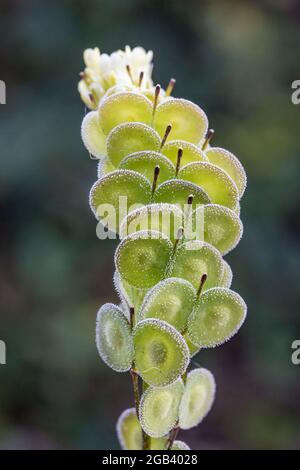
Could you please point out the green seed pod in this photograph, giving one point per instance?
(188, 121)
(159, 407)
(198, 397)
(145, 163)
(92, 135)
(161, 354)
(222, 227)
(164, 218)
(129, 430)
(190, 152)
(171, 300)
(219, 186)
(129, 295)
(128, 138)
(147, 253)
(129, 433)
(193, 259)
(229, 163)
(218, 316)
(180, 445)
(124, 107)
(104, 167)
(227, 275)
(177, 191)
(113, 338)
(117, 188)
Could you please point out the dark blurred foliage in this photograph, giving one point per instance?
(237, 59)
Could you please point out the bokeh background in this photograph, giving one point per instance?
(237, 59)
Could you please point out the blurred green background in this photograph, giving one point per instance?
(237, 59)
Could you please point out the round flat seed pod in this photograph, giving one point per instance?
(159, 408)
(104, 167)
(227, 275)
(129, 295)
(161, 354)
(145, 163)
(222, 227)
(113, 338)
(218, 316)
(177, 191)
(130, 435)
(129, 430)
(142, 258)
(188, 121)
(128, 138)
(124, 107)
(191, 153)
(195, 258)
(180, 445)
(171, 300)
(216, 182)
(164, 218)
(231, 164)
(112, 196)
(92, 135)
(198, 397)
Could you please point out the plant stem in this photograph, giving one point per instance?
(172, 437)
(135, 385)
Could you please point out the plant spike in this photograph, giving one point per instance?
(141, 77)
(128, 69)
(170, 86)
(202, 281)
(208, 137)
(179, 157)
(155, 101)
(167, 132)
(174, 288)
(155, 178)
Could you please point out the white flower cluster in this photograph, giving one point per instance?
(120, 69)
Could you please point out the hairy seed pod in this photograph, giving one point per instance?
(124, 107)
(218, 316)
(130, 137)
(197, 399)
(171, 300)
(146, 252)
(159, 408)
(160, 352)
(145, 163)
(113, 338)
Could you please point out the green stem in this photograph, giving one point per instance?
(136, 390)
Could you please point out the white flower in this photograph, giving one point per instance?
(121, 68)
